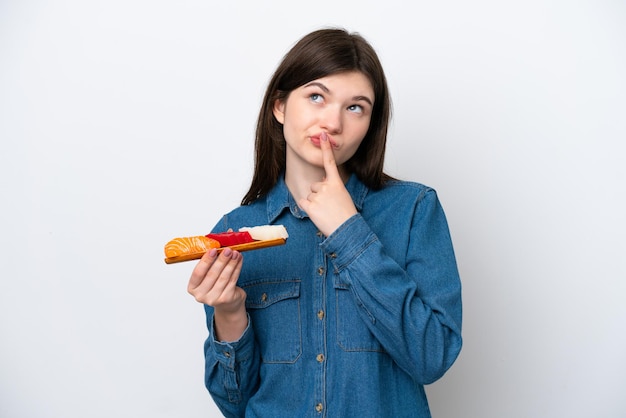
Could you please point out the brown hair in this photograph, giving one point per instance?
(319, 54)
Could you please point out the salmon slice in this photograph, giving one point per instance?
(188, 245)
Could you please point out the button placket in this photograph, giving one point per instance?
(319, 264)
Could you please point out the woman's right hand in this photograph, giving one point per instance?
(214, 283)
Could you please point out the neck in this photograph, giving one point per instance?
(299, 181)
(300, 178)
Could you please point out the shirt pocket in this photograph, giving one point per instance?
(274, 308)
(352, 331)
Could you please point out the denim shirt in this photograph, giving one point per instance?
(349, 325)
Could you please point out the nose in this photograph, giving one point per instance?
(331, 120)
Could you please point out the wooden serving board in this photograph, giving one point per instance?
(255, 245)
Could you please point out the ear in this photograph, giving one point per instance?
(279, 111)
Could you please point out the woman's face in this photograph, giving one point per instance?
(340, 105)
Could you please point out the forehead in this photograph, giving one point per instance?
(351, 83)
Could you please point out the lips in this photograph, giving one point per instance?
(316, 139)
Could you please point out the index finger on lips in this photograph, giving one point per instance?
(328, 156)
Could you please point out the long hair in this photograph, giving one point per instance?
(319, 54)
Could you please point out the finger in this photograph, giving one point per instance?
(208, 271)
(234, 276)
(316, 187)
(328, 157)
(304, 204)
(224, 287)
(200, 271)
(230, 263)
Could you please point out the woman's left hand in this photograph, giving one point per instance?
(329, 204)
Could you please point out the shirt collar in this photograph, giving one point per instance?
(279, 198)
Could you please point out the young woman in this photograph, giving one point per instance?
(362, 306)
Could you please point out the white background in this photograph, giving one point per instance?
(126, 123)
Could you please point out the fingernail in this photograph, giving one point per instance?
(324, 136)
(227, 252)
(212, 252)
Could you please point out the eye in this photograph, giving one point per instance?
(355, 108)
(316, 98)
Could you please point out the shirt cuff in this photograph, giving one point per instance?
(232, 352)
(348, 241)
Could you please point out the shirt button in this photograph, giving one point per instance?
(320, 358)
(320, 314)
(264, 297)
(319, 233)
(319, 407)
(320, 271)
(333, 255)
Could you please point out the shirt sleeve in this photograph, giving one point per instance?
(231, 369)
(413, 310)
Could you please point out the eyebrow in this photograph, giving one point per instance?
(326, 90)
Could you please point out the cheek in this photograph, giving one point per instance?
(294, 121)
(350, 149)
(359, 132)
(347, 152)
(361, 126)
